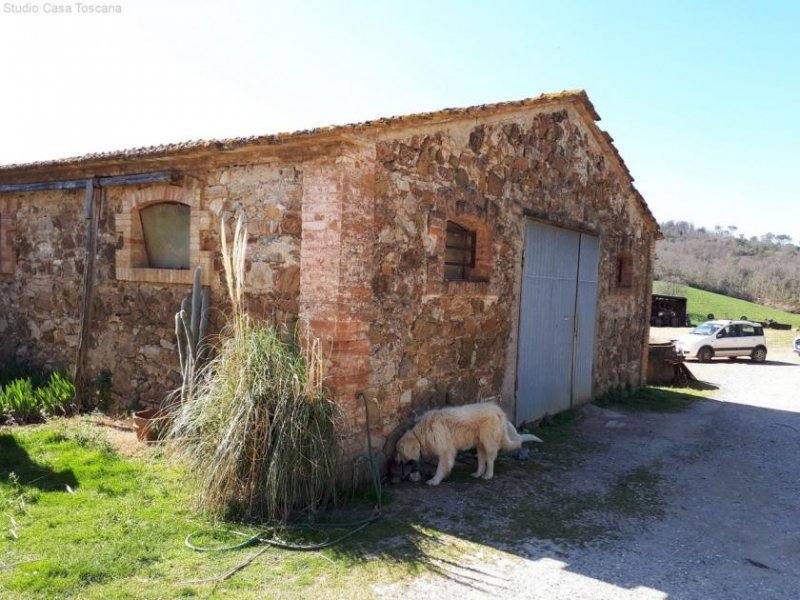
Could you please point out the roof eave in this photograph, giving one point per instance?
(282, 141)
(301, 145)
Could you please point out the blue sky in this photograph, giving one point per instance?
(702, 98)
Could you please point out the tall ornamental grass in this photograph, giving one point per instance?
(257, 428)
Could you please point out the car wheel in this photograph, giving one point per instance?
(705, 354)
(759, 355)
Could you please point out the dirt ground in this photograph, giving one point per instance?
(698, 504)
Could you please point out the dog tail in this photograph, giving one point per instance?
(514, 440)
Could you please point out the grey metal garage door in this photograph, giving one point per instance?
(557, 320)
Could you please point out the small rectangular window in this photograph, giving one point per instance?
(459, 252)
(625, 271)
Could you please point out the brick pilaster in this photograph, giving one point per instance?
(336, 256)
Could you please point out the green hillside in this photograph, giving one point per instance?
(700, 303)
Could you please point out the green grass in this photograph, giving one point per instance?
(657, 399)
(700, 303)
(78, 520)
(90, 517)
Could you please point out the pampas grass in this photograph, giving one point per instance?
(257, 429)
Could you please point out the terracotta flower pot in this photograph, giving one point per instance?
(150, 423)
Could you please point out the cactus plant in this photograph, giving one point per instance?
(191, 329)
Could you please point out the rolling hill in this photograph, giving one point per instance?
(700, 303)
(762, 269)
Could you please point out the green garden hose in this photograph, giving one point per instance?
(262, 537)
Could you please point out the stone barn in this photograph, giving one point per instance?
(497, 251)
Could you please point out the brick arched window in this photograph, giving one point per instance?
(159, 235)
(459, 254)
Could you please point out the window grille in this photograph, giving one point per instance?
(459, 252)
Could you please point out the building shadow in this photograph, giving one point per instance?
(15, 459)
(700, 385)
(586, 502)
(747, 361)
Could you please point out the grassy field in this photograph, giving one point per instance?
(78, 519)
(87, 512)
(700, 303)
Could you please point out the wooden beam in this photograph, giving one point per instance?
(43, 186)
(170, 177)
(543, 217)
(93, 205)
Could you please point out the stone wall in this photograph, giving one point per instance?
(350, 236)
(41, 297)
(132, 328)
(438, 342)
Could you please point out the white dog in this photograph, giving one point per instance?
(443, 432)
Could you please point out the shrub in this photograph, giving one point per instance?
(256, 428)
(22, 401)
(55, 397)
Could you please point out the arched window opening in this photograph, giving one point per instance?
(165, 228)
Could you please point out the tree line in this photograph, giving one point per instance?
(763, 269)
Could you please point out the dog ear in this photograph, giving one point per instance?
(413, 449)
(407, 448)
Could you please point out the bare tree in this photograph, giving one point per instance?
(766, 270)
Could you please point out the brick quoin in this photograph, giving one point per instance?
(335, 263)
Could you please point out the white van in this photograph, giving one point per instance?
(724, 338)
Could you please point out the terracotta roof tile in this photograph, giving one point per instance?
(162, 150)
(580, 97)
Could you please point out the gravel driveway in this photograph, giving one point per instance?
(724, 490)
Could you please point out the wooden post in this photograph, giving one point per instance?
(93, 201)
